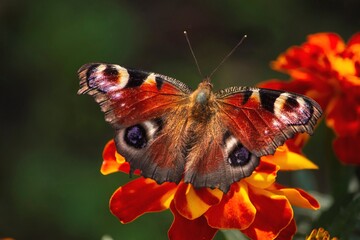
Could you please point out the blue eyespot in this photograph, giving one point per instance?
(135, 136)
(240, 156)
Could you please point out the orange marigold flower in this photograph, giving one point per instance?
(256, 205)
(319, 234)
(328, 70)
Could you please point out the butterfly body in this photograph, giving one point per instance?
(208, 139)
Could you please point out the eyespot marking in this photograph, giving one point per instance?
(135, 136)
(240, 156)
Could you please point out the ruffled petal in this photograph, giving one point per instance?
(264, 175)
(288, 160)
(192, 203)
(296, 196)
(113, 161)
(329, 42)
(183, 228)
(303, 62)
(140, 196)
(288, 232)
(355, 39)
(234, 211)
(353, 51)
(274, 213)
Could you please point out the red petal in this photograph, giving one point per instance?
(330, 42)
(264, 175)
(347, 149)
(141, 196)
(113, 161)
(235, 209)
(267, 166)
(183, 228)
(192, 203)
(288, 232)
(273, 214)
(355, 39)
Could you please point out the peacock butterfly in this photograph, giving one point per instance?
(209, 139)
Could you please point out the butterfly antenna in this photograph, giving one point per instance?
(228, 55)
(193, 54)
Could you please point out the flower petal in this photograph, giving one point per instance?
(329, 42)
(355, 39)
(140, 196)
(264, 175)
(288, 160)
(183, 228)
(192, 203)
(274, 213)
(288, 232)
(297, 197)
(112, 163)
(235, 209)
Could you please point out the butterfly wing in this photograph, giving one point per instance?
(248, 123)
(148, 112)
(263, 119)
(130, 96)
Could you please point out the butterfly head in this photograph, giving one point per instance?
(203, 93)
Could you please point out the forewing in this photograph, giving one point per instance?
(263, 119)
(130, 96)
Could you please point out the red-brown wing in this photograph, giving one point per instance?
(263, 119)
(130, 96)
(149, 114)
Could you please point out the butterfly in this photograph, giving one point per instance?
(209, 139)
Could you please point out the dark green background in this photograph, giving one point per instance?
(52, 139)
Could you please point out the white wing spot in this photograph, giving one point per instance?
(279, 104)
(123, 77)
(150, 79)
(230, 144)
(255, 95)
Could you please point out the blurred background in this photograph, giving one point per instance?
(52, 139)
